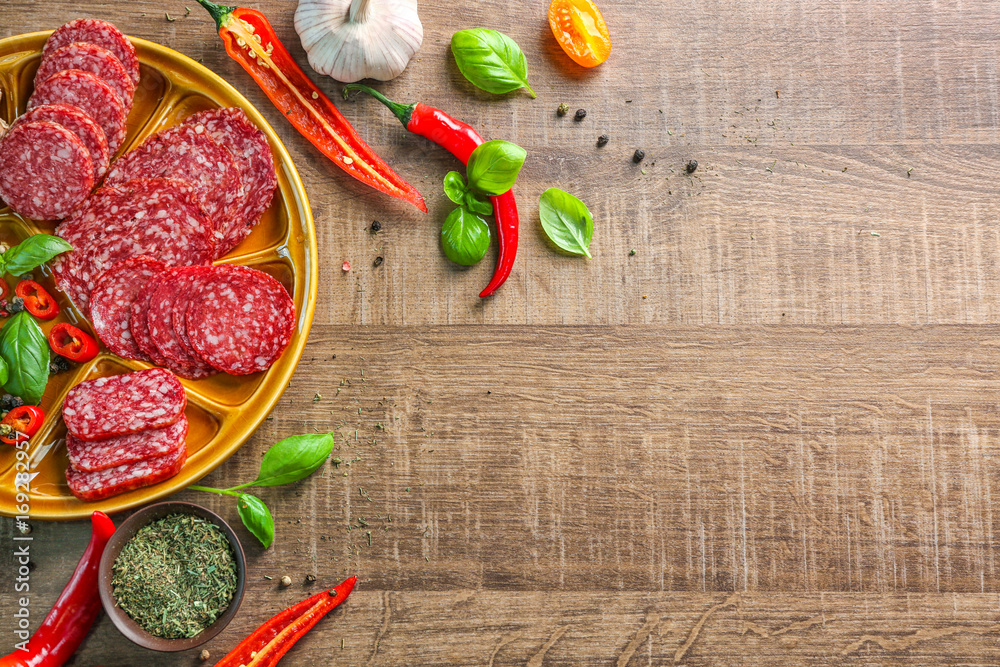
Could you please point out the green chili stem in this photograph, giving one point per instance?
(404, 112)
(218, 12)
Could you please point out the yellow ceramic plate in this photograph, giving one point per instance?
(224, 410)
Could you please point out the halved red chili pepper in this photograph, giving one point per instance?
(37, 301)
(265, 646)
(460, 140)
(23, 422)
(4, 289)
(252, 42)
(69, 621)
(68, 341)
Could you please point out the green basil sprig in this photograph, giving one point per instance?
(465, 237)
(287, 461)
(31, 253)
(25, 353)
(494, 165)
(490, 60)
(459, 192)
(567, 221)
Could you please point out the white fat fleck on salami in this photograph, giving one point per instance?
(158, 218)
(241, 320)
(123, 449)
(97, 32)
(89, 93)
(45, 170)
(184, 154)
(117, 405)
(88, 57)
(111, 303)
(232, 128)
(79, 123)
(91, 486)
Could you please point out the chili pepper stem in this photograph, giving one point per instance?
(404, 112)
(209, 489)
(218, 12)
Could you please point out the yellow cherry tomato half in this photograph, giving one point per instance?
(580, 30)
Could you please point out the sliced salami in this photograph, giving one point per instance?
(139, 326)
(97, 32)
(231, 128)
(241, 320)
(91, 94)
(79, 123)
(91, 486)
(107, 407)
(121, 450)
(158, 218)
(111, 303)
(160, 316)
(184, 153)
(92, 58)
(46, 170)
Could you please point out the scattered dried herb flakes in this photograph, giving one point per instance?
(176, 576)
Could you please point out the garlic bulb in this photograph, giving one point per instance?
(351, 40)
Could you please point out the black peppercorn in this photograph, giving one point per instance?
(602, 140)
(562, 110)
(58, 365)
(376, 226)
(580, 114)
(378, 261)
(691, 166)
(16, 305)
(638, 156)
(8, 402)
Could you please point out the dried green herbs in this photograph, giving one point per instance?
(176, 576)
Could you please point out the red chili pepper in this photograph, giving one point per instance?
(252, 42)
(66, 625)
(37, 301)
(265, 646)
(4, 289)
(460, 140)
(68, 341)
(24, 420)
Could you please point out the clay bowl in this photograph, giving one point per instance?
(125, 532)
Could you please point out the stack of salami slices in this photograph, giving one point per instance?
(55, 153)
(124, 432)
(194, 320)
(185, 197)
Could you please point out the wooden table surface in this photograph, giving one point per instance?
(769, 437)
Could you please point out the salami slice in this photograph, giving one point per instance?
(97, 32)
(124, 449)
(111, 303)
(231, 128)
(45, 170)
(91, 486)
(79, 123)
(158, 218)
(241, 320)
(160, 316)
(88, 57)
(106, 407)
(91, 94)
(184, 153)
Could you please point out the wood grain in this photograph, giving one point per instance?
(770, 437)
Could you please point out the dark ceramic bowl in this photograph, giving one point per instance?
(125, 532)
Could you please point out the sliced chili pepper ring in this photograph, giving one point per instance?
(68, 341)
(22, 423)
(37, 301)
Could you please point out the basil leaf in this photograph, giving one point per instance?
(454, 186)
(493, 167)
(566, 221)
(293, 459)
(477, 203)
(490, 60)
(256, 517)
(32, 252)
(465, 237)
(26, 352)
(4, 371)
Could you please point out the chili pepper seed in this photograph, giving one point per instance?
(602, 140)
(638, 156)
(691, 166)
(562, 110)
(580, 115)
